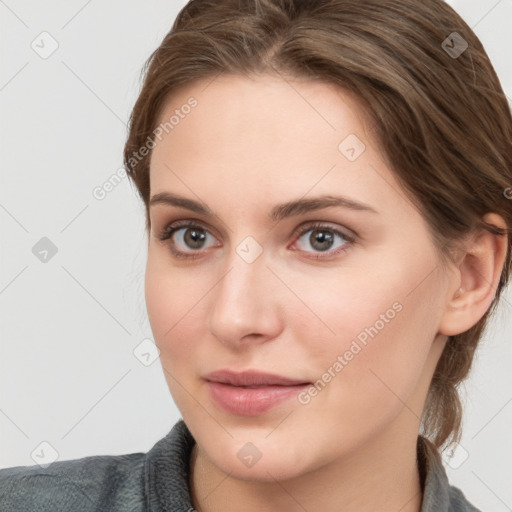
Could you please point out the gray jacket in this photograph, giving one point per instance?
(157, 481)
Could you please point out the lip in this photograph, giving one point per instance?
(251, 378)
(251, 392)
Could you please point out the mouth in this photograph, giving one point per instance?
(252, 378)
(251, 393)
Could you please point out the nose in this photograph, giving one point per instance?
(245, 307)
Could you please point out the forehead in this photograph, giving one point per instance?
(251, 113)
(269, 99)
(264, 135)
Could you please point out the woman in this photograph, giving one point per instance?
(326, 186)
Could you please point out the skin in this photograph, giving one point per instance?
(249, 145)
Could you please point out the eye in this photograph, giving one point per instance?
(323, 239)
(187, 238)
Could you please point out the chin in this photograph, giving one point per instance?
(255, 458)
(269, 470)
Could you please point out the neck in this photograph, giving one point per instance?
(381, 475)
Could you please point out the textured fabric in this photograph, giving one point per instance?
(158, 481)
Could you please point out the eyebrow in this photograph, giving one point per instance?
(278, 212)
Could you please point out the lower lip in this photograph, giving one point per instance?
(251, 401)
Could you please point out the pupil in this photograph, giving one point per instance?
(321, 240)
(194, 238)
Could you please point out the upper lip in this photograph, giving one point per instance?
(251, 378)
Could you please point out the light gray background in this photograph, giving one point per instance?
(69, 326)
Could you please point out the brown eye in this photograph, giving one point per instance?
(322, 241)
(187, 239)
(194, 238)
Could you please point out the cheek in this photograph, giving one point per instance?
(384, 332)
(173, 309)
(173, 303)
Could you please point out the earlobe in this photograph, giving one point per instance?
(477, 279)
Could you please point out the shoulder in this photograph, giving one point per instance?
(438, 494)
(106, 482)
(135, 482)
(459, 502)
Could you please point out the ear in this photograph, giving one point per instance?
(476, 280)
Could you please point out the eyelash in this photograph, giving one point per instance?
(169, 230)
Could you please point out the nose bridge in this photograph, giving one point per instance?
(241, 305)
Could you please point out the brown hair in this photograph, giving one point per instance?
(441, 116)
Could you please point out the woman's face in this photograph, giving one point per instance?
(272, 277)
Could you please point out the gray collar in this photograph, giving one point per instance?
(167, 472)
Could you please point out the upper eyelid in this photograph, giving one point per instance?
(308, 225)
(185, 223)
(298, 231)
